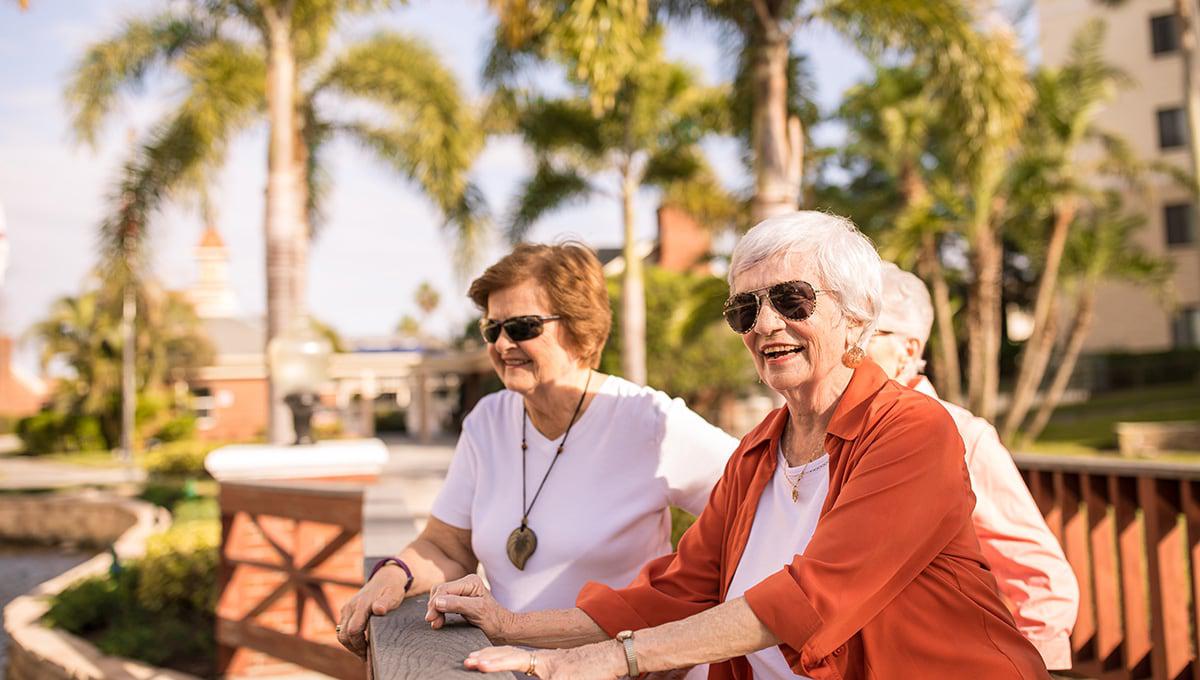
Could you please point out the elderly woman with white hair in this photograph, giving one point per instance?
(838, 543)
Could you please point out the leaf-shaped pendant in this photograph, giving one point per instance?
(522, 542)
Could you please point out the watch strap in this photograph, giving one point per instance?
(399, 563)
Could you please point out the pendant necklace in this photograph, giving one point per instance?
(808, 467)
(522, 542)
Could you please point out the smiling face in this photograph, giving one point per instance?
(792, 355)
(525, 366)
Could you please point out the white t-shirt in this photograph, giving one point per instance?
(781, 530)
(604, 510)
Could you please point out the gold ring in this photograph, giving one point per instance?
(532, 670)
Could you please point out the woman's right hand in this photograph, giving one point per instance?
(383, 593)
(469, 597)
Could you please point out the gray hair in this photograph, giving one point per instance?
(845, 259)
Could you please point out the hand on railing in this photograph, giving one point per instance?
(599, 661)
(383, 593)
(469, 597)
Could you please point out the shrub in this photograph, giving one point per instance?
(180, 568)
(49, 431)
(179, 458)
(158, 609)
(177, 429)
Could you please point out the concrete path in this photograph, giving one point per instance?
(398, 506)
(28, 472)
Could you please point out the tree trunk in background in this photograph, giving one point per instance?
(1036, 354)
(299, 292)
(983, 318)
(284, 223)
(777, 140)
(128, 370)
(633, 294)
(1080, 325)
(945, 358)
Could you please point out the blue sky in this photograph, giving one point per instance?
(382, 237)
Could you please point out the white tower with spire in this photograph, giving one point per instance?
(212, 295)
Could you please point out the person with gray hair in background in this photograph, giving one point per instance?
(1035, 579)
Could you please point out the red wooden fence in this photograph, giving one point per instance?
(1131, 531)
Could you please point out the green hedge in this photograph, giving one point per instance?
(179, 458)
(159, 609)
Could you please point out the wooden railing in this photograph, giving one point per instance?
(404, 647)
(1131, 531)
(291, 555)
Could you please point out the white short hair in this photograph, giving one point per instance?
(907, 308)
(845, 259)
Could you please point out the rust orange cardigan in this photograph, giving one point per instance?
(892, 584)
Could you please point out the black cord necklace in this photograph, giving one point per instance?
(522, 542)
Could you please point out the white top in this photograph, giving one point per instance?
(604, 510)
(781, 530)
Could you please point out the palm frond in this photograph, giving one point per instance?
(550, 125)
(432, 135)
(550, 188)
(123, 62)
(226, 91)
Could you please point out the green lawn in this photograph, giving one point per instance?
(1089, 427)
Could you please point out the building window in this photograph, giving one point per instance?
(1172, 128)
(1164, 34)
(1185, 328)
(1178, 220)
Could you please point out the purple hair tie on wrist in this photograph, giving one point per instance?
(399, 563)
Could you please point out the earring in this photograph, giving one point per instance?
(853, 357)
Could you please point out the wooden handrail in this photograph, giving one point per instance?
(402, 646)
(1131, 531)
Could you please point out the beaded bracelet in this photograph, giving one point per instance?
(399, 563)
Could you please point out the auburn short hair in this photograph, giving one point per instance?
(573, 280)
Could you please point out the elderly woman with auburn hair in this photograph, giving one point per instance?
(838, 543)
(564, 477)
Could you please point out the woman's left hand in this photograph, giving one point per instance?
(591, 662)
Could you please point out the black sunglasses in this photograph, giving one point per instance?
(518, 328)
(794, 300)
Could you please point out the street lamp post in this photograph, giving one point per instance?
(299, 365)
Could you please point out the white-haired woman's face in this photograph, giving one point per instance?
(792, 354)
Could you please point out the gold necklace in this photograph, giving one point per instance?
(808, 467)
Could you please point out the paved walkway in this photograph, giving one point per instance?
(31, 473)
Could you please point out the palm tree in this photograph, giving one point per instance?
(1101, 249)
(1048, 174)
(765, 29)
(243, 61)
(893, 131)
(84, 333)
(427, 298)
(648, 138)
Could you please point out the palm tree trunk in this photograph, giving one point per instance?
(983, 318)
(283, 222)
(1080, 326)
(633, 295)
(945, 359)
(777, 140)
(299, 291)
(1036, 355)
(128, 371)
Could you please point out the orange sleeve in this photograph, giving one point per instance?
(906, 497)
(674, 586)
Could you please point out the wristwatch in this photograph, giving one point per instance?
(625, 637)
